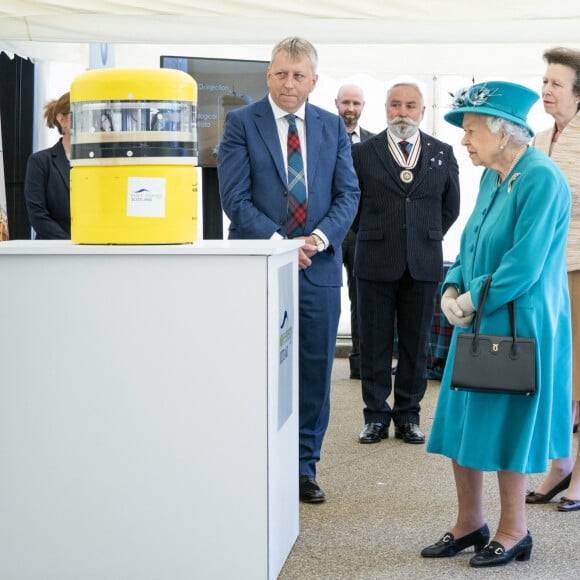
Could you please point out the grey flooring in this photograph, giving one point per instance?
(386, 501)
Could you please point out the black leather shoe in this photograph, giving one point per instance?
(410, 433)
(533, 497)
(448, 546)
(494, 554)
(355, 374)
(310, 491)
(374, 432)
(568, 505)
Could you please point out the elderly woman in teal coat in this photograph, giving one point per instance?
(517, 234)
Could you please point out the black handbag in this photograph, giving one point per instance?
(487, 363)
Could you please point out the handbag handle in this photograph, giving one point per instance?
(479, 314)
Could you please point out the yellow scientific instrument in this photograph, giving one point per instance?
(133, 157)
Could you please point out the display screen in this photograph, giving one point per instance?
(222, 86)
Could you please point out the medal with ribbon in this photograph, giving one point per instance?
(407, 162)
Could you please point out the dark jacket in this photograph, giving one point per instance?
(402, 225)
(47, 193)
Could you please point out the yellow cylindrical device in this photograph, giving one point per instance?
(133, 157)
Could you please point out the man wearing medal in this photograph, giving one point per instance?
(409, 185)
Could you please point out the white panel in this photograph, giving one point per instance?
(133, 415)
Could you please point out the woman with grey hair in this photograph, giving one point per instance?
(561, 98)
(517, 235)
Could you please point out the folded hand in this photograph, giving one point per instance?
(453, 311)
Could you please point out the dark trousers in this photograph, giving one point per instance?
(318, 325)
(410, 304)
(348, 248)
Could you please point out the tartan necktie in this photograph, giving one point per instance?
(297, 201)
(405, 147)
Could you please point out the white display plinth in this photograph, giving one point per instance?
(148, 410)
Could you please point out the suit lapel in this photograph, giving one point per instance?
(426, 161)
(364, 134)
(421, 169)
(266, 126)
(381, 145)
(61, 162)
(313, 142)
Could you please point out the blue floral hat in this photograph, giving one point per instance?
(496, 99)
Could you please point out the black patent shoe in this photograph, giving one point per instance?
(534, 497)
(374, 432)
(448, 546)
(310, 491)
(410, 433)
(494, 554)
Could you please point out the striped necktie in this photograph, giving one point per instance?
(297, 201)
(405, 147)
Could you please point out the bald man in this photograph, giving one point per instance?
(350, 102)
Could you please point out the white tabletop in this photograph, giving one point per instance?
(201, 247)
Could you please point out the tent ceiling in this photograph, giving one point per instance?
(263, 22)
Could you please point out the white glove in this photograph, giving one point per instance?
(449, 305)
(451, 309)
(465, 303)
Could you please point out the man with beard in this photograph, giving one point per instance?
(350, 102)
(409, 185)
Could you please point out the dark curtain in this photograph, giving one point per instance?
(17, 113)
(211, 205)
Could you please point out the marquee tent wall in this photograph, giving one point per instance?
(325, 21)
(444, 44)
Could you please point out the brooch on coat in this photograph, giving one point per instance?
(511, 182)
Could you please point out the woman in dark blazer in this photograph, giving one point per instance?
(47, 184)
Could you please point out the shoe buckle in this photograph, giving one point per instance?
(446, 538)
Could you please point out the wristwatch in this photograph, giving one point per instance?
(319, 243)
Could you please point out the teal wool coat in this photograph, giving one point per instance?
(517, 233)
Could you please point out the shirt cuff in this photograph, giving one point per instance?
(322, 237)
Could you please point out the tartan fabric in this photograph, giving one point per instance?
(439, 338)
(297, 201)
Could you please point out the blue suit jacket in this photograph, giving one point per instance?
(47, 193)
(254, 186)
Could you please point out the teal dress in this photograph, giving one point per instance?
(517, 233)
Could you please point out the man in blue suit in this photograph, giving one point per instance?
(409, 199)
(256, 195)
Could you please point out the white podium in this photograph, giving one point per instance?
(148, 410)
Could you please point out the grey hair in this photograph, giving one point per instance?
(297, 48)
(518, 135)
(406, 84)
